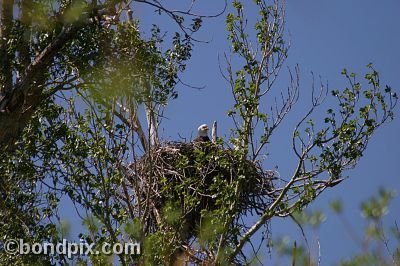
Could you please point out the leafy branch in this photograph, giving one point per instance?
(325, 149)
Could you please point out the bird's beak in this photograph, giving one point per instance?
(206, 128)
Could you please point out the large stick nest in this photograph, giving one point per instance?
(194, 177)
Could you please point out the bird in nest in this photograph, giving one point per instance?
(202, 134)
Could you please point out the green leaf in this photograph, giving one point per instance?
(336, 206)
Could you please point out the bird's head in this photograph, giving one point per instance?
(203, 130)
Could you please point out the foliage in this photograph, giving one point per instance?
(82, 97)
(378, 244)
(57, 52)
(325, 149)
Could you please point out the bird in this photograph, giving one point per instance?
(203, 134)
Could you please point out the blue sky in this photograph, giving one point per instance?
(326, 36)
